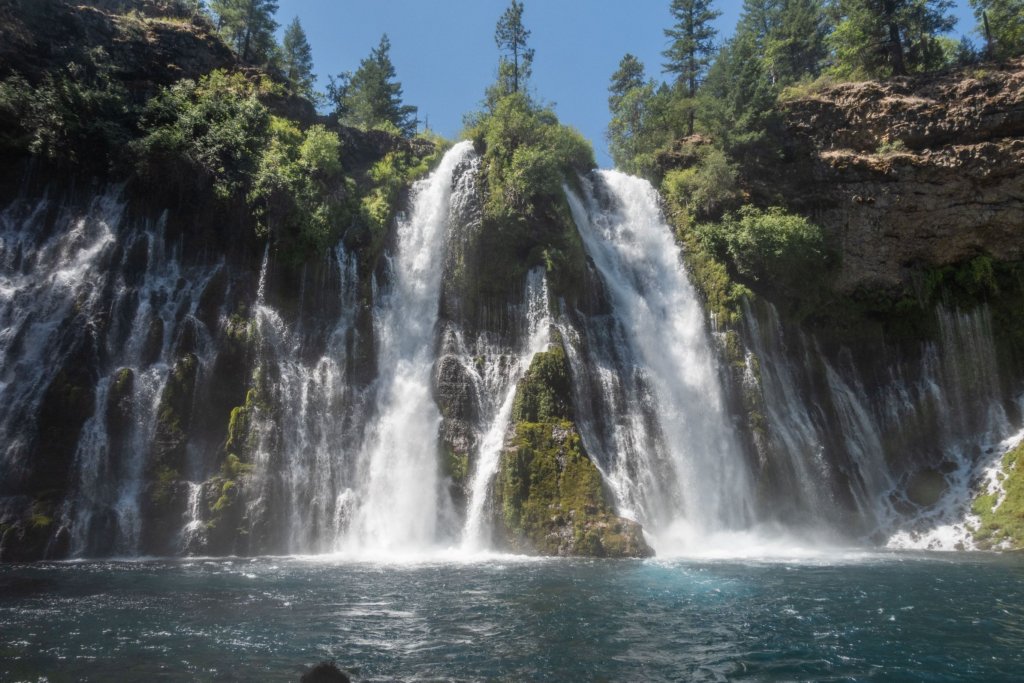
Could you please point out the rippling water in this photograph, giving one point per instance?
(849, 617)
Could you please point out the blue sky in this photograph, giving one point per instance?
(445, 55)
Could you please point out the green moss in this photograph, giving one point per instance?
(552, 497)
(545, 392)
(39, 520)
(163, 489)
(548, 476)
(123, 382)
(1002, 524)
(455, 465)
(226, 497)
(232, 468)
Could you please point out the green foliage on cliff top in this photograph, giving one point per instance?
(527, 157)
(298, 191)
(390, 178)
(78, 117)
(769, 246)
(527, 154)
(216, 127)
(1002, 521)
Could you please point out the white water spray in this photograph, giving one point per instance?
(399, 497)
(694, 482)
(474, 538)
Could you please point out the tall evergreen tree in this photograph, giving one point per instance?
(372, 96)
(629, 75)
(787, 36)
(629, 102)
(297, 59)
(890, 37)
(692, 46)
(796, 45)
(516, 65)
(249, 26)
(1001, 23)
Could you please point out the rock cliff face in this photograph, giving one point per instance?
(154, 47)
(909, 173)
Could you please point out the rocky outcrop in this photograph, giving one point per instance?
(154, 45)
(909, 173)
(549, 497)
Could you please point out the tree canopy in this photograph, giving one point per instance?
(516, 63)
(692, 46)
(248, 25)
(371, 97)
(297, 59)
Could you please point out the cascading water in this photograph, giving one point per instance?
(46, 300)
(301, 459)
(153, 309)
(905, 454)
(670, 453)
(538, 323)
(102, 320)
(91, 296)
(397, 498)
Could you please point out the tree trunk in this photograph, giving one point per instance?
(515, 69)
(899, 67)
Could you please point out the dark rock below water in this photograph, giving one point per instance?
(325, 672)
(927, 487)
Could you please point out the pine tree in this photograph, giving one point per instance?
(516, 65)
(249, 26)
(795, 45)
(372, 97)
(889, 37)
(297, 59)
(1001, 23)
(689, 54)
(629, 101)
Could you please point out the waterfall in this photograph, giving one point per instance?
(102, 317)
(896, 462)
(303, 448)
(158, 306)
(398, 499)
(660, 432)
(538, 323)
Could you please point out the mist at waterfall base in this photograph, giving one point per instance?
(897, 616)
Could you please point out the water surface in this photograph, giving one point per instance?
(895, 616)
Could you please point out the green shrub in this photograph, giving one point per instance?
(217, 127)
(527, 154)
(705, 188)
(298, 193)
(79, 116)
(769, 246)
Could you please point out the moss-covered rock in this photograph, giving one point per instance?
(550, 498)
(27, 536)
(174, 416)
(545, 392)
(1001, 513)
(552, 501)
